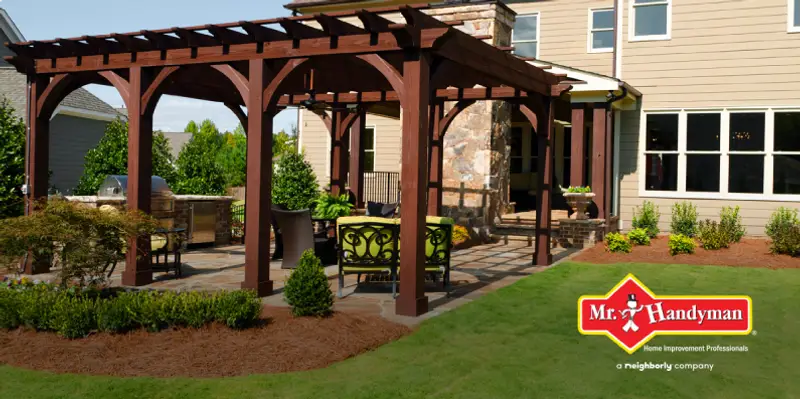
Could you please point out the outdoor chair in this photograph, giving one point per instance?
(298, 236)
(381, 210)
(278, 254)
(371, 245)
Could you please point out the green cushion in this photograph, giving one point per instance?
(366, 269)
(156, 242)
(237, 203)
(365, 244)
(439, 220)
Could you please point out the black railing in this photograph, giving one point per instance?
(237, 221)
(382, 187)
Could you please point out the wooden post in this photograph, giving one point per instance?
(138, 269)
(609, 165)
(356, 179)
(38, 159)
(435, 159)
(259, 183)
(416, 81)
(599, 132)
(576, 170)
(544, 183)
(340, 141)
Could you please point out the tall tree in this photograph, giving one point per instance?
(233, 159)
(110, 157)
(191, 127)
(12, 161)
(198, 169)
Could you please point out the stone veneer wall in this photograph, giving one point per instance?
(476, 152)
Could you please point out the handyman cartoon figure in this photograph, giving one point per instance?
(630, 312)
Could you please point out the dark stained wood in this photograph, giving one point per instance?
(373, 22)
(157, 86)
(340, 141)
(262, 34)
(298, 30)
(37, 162)
(162, 41)
(259, 182)
(356, 179)
(193, 39)
(138, 269)
(544, 185)
(599, 132)
(240, 114)
(336, 27)
(228, 36)
(435, 159)
(609, 151)
(416, 78)
(577, 152)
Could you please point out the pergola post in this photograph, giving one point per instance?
(340, 142)
(600, 129)
(417, 91)
(544, 186)
(436, 159)
(138, 269)
(258, 184)
(576, 170)
(38, 157)
(356, 179)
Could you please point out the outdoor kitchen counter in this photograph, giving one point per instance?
(203, 198)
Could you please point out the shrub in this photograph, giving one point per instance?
(307, 290)
(199, 172)
(684, 219)
(294, 184)
(647, 218)
(331, 207)
(639, 237)
(712, 236)
(114, 316)
(783, 228)
(460, 234)
(12, 161)
(238, 309)
(730, 222)
(616, 242)
(579, 189)
(780, 219)
(681, 244)
(73, 316)
(9, 309)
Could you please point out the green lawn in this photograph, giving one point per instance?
(519, 342)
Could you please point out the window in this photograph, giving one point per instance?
(651, 19)
(368, 141)
(723, 154)
(516, 150)
(525, 36)
(601, 30)
(793, 20)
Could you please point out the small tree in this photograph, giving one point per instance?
(12, 161)
(307, 289)
(198, 170)
(110, 157)
(233, 159)
(295, 184)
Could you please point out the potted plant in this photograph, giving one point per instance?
(579, 199)
(331, 207)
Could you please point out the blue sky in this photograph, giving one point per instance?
(49, 19)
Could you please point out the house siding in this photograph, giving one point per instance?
(70, 139)
(721, 54)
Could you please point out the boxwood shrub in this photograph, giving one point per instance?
(681, 244)
(78, 313)
(639, 237)
(616, 242)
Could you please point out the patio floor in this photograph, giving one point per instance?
(475, 272)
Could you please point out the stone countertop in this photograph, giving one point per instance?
(94, 198)
(202, 197)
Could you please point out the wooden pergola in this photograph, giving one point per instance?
(420, 63)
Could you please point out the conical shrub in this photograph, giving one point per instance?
(307, 289)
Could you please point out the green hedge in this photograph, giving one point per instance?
(78, 313)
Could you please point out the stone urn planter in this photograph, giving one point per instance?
(579, 202)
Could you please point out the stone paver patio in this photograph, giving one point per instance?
(475, 272)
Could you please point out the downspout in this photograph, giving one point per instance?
(26, 184)
(615, 152)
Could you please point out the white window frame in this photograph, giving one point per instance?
(538, 40)
(632, 22)
(791, 27)
(374, 149)
(723, 194)
(589, 42)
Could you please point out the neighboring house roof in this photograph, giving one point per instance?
(10, 28)
(176, 141)
(309, 3)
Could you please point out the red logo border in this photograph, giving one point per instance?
(653, 334)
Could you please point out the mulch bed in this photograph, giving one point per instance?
(750, 252)
(282, 344)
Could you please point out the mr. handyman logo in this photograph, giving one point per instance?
(631, 315)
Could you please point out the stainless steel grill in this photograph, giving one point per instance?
(162, 202)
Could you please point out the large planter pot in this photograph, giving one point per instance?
(579, 202)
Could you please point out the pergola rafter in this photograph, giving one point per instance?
(265, 65)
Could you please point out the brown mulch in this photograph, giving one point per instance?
(283, 344)
(750, 252)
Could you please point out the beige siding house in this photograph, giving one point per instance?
(717, 121)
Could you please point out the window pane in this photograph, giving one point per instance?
(525, 49)
(603, 19)
(662, 172)
(796, 20)
(662, 132)
(368, 139)
(787, 131)
(516, 165)
(702, 173)
(702, 132)
(525, 27)
(747, 132)
(651, 20)
(534, 164)
(786, 174)
(603, 39)
(516, 141)
(534, 144)
(369, 161)
(649, 1)
(746, 174)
